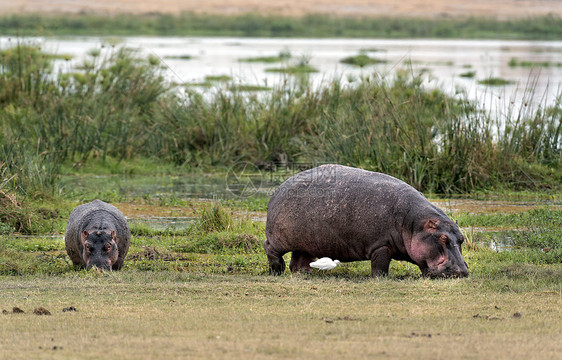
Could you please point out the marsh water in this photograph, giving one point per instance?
(533, 68)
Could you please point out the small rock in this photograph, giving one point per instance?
(70, 308)
(41, 311)
(4, 311)
(517, 315)
(17, 310)
(328, 320)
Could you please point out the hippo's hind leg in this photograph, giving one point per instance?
(275, 259)
(300, 261)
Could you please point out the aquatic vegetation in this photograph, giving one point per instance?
(217, 78)
(468, 74)
(180, 57)
(294, 70)
(242, 87)
(513, 62)
(282, 56)
(361, 60)
(494, 81)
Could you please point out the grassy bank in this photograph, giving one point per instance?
(205, 291)
(314, 26)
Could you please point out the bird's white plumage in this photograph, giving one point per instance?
(324, 263)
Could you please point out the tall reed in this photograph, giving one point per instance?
(120, 106)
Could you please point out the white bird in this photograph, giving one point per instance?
(325, 263)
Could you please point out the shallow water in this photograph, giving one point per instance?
(443, 61)
(188, 186)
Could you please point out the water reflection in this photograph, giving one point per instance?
(445, 62)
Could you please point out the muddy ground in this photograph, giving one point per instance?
(502, 9)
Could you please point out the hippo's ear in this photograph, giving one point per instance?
(431, 225)
(84, 236)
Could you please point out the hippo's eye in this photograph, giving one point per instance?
(107, 247)
(89, 248)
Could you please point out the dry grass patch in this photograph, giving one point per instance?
(138, 315)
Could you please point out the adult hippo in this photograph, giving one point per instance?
(351, 214)
(97, 234)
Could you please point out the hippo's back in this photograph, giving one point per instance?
(333, 185)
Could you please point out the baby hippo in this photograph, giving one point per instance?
(97, 234)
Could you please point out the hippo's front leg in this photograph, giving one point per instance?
(118, 264)
(380, 261)
(275, 259)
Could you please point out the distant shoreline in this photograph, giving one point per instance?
(548, 27)
(434, 9)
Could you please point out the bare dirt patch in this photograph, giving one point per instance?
(501, 9)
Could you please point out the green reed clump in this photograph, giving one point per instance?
(420, 136)
(232, 126)
(23, 73)
(47, 120)
(215, 218)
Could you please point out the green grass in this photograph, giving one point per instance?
(547, 27)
